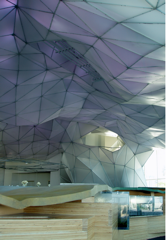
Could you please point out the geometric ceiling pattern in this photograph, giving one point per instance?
(69, 67)
(121, 168)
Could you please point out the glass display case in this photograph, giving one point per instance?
(145, 205)
(122, 199)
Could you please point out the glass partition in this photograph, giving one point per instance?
(158, 205)
(122, 199)
(145, 205)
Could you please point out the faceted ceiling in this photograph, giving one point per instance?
(69, 67)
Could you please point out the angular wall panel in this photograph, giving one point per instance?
(70, 67)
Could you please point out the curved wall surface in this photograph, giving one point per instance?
(69, 67)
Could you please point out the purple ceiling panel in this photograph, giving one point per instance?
(69, 67)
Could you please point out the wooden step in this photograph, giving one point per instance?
(54, 235)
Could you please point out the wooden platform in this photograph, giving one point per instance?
(80, 218)
(103, 224)
(45, 228)
(73, 220)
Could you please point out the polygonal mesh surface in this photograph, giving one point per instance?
(68, 67)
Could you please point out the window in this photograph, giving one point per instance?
(155, 169)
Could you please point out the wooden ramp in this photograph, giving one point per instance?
(42, 196)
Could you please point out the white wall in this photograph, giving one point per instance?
(32, 178)
(13, 177)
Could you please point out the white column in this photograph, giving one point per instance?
(8, 177)
(55, 178)
(2, 175)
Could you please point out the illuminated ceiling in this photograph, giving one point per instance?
(69, 67)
